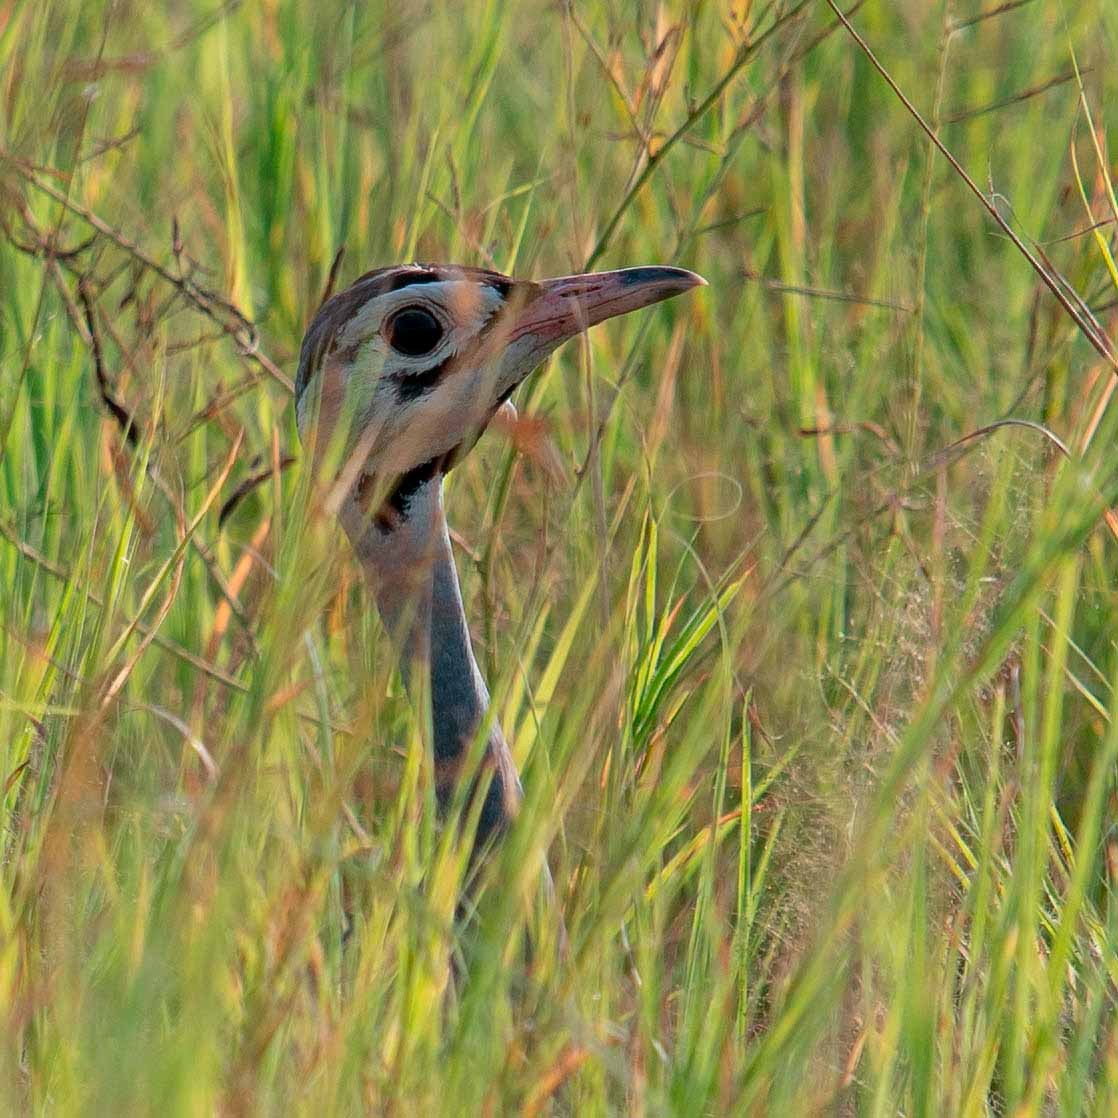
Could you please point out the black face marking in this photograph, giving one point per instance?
(450, 459)
(409, 279)
(632, 276)
(500, 285)
(407, 484)
(395, 507)
(412, 386)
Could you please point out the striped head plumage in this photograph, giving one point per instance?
(404, 369)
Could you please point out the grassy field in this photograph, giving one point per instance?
(808, 655)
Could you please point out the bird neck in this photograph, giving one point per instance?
(410, 568)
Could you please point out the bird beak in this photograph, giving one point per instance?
(566, 306)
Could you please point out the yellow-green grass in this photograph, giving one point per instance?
(813, 694)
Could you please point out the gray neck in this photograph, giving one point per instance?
(411, 571)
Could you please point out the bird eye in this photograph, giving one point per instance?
(413, 331)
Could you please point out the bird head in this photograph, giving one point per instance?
(400, 373)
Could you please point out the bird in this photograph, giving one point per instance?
(399, 375)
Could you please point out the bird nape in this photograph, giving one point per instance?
(399, 374)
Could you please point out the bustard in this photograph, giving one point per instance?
(399, 374)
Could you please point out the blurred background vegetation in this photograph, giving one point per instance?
(808, 657)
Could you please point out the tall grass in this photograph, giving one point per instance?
(808, 658)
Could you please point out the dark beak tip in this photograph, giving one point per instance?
(680, 278)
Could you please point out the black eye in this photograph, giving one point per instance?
(413, 331)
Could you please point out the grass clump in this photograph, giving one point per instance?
(798, 598)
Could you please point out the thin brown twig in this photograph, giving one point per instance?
(173, 565)
(608, 71)
(961, 115)
(1072, 294)
(234, 322)
(188, 735)
(129, 429)
(779, 288)
(950, 452)
(79, 69)
(755, 113)
(1100, 343)
(820, 37)
(245, 487)
(332, 275)
(57, 571)
(173, 648)
(945, 456)
(214, 568)
(989, 13)
(103, 147)
(1102, 223)
(460, 225)
(866, 425)
(217, 404)
(744, 54)
(126, 421)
